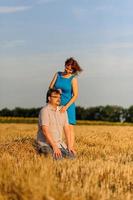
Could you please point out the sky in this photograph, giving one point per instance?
(37, 36)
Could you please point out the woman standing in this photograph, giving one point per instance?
(67, 83)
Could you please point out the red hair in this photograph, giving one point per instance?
(74, 65)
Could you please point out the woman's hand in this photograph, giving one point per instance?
(60, 91)
(63, 109)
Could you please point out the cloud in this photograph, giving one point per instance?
(117, 45)
(28, 6)
(39, 2)
(104, 8)
(80, 12)
(83, 12)
(11, 43)
(13, 9)
(44, 1)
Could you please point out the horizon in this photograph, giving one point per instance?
(76, 106)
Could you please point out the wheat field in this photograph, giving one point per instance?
(103, 169)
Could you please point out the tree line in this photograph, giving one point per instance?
(98, 113)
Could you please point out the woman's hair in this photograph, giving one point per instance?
(74, 64)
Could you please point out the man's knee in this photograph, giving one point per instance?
(45, 150)
(67, 154)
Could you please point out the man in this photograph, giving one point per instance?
(50, 128)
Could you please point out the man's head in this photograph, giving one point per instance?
(53, 97)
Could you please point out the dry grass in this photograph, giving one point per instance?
(103, 169)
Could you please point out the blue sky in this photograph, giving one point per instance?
(36, 37)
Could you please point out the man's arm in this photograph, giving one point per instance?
(51, 141)
(68, 138)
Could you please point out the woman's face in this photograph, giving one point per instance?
(68, 69)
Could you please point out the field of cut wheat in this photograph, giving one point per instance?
(103, 169)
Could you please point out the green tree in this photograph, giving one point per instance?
(112, 113)
(129, 116)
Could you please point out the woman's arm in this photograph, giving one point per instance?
(53, 81)
(75, 94)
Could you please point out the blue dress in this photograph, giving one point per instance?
(66, 86)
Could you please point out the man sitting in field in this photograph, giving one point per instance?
(50, 128)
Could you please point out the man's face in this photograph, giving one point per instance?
(54, 99)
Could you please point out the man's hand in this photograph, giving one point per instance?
(72, 150)
(57, 152)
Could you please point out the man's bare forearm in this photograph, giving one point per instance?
(49, 138)
(67, 135)
(68, 139)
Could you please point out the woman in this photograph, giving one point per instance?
(66, 82)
